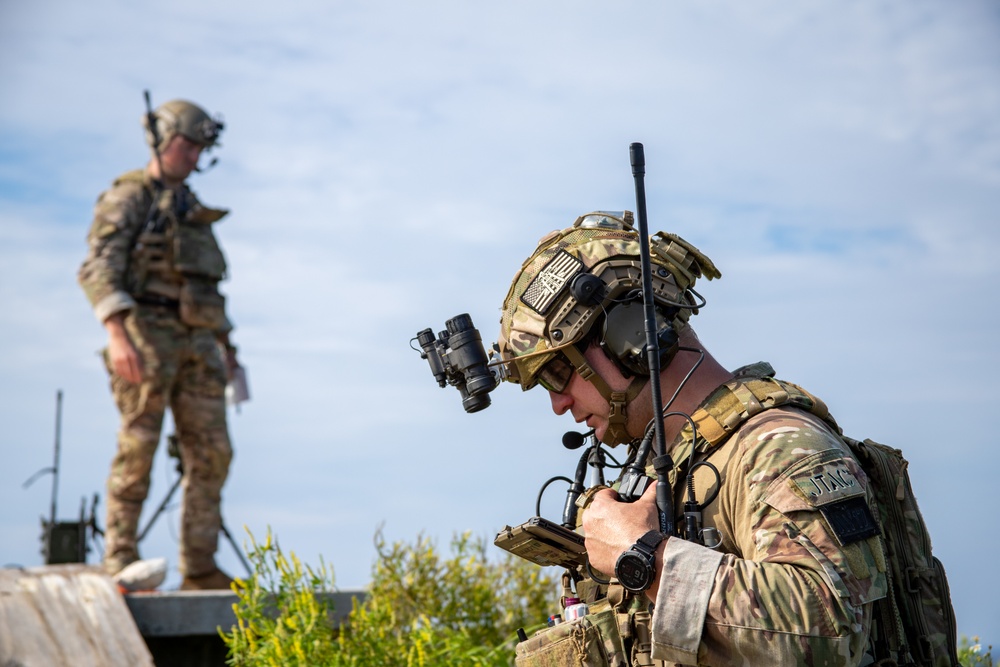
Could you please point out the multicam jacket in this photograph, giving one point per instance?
(800, 562)
(165, 251)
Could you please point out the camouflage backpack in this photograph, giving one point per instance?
(915, 623)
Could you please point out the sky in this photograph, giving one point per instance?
(389, 165)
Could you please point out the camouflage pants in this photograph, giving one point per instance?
(183, 370)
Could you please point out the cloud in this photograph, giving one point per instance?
(389, 165)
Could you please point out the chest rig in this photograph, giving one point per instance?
(176, 260)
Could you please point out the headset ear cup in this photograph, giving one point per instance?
(166, 124)
(624, 338)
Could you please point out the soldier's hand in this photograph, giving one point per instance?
(611, 527)
(124, 358)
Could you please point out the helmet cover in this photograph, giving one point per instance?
(186, 119)
(543, 312)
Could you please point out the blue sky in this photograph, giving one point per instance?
(389, 165)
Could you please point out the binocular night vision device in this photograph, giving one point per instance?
(457, 357)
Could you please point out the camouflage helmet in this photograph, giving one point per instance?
(184, 118)
(575, 276)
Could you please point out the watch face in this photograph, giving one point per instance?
(633, 571)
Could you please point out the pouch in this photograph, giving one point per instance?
(592, 640)
(197, 252)
(201, 305)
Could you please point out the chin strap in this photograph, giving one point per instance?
(616, 434)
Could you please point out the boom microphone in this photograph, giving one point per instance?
(574, 440)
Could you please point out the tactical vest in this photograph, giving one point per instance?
(175, 257)
(913, 625)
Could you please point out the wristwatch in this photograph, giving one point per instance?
(635, 568)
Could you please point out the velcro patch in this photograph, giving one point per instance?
(550, 282)
(851, 520)
(828, 482)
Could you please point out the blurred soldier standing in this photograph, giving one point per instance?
(151, 275)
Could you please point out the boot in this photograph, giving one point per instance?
(113, 564)
(142, 575)
(216, 580)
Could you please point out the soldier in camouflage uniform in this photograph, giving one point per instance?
(789, 581)
(151, 275)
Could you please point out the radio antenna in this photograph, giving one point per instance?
(662, 462)
(151, 124)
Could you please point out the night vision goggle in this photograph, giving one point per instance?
(457, 357)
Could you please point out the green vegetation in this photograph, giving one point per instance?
(422, 609)
(970, 653)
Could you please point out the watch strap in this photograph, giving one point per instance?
(648, 543)
(635, 567)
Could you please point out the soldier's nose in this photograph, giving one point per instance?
(560, 402)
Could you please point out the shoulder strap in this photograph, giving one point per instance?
(752, 390)
(134, 176)
(200, 214)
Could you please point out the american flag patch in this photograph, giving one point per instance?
(550, 282)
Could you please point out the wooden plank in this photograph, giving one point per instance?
(66, 615)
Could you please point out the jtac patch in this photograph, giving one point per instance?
(851, 520)
(827, 480)
(824, 482)
(550, 282)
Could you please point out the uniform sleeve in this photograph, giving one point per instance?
(806, 559)
(118, 216)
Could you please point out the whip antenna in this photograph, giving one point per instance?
(151, 123)
(662, 462)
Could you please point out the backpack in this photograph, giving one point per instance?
(915, 623)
